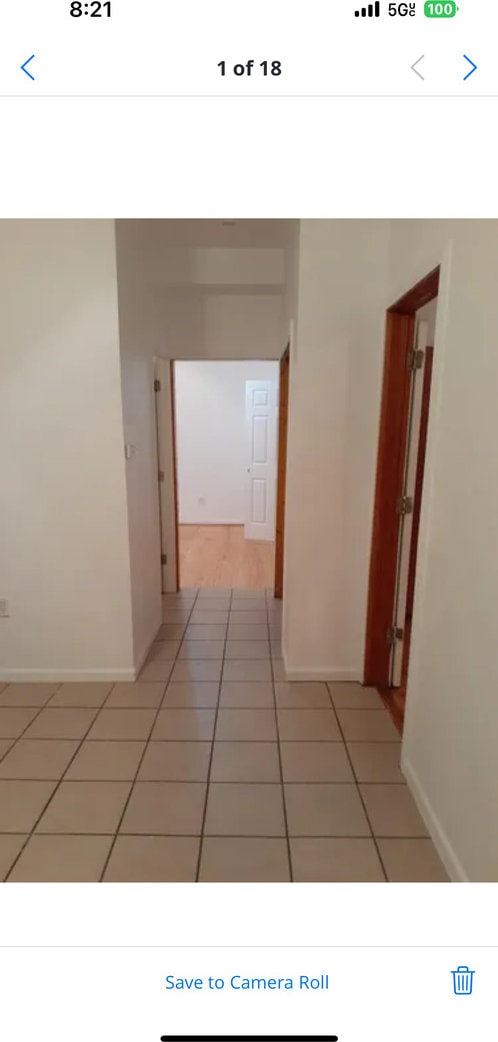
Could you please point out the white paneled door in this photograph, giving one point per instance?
(261, 442)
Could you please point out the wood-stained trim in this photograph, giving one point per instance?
(283, 412)
(419, 478)
(390, 467)
(400, 329)
(418, 296)
(175, 470)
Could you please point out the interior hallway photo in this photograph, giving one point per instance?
(288, 378)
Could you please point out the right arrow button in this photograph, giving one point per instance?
(472, 70)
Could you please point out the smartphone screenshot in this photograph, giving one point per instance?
(248, 535)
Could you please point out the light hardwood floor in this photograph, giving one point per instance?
(219, 556)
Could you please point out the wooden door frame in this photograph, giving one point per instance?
(281, 471)
(283, 412)
(417, 504)
(165, 416)
(400, 329)
(175, 471)
(419, 477)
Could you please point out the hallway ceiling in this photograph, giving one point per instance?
(225, 232)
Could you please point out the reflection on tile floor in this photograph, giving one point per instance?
(212, 767)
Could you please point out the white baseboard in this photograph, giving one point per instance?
(323, 673)
(68, 676)
(222, 523)
(441, 842)
(64, 676)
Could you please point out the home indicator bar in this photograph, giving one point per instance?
(250, 1038)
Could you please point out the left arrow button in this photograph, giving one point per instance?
(24, 67)
(414, 67)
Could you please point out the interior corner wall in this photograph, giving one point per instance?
(140, 340)
(449, 745)
(211, 438)
(335, 377)
(64, 543)
(176, 316)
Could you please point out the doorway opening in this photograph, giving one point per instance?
(219, 455)
(409, 347)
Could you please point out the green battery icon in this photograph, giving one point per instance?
(440, 9)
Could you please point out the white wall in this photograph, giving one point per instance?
(450, 742)
(349, 272)
(211, 438)
(333, 412)
(206, 266)
(63, 542)
(200, 303)
(190, 323)
(139, 419)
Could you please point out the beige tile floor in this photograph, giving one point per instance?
(211, 767)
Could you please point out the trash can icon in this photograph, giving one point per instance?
(463, 979)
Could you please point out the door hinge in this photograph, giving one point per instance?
(393, 635)
(415, 360)
(157, 385)
(164, 559)
(161, 475)
(404, 505)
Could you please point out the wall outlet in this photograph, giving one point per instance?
(4, 609)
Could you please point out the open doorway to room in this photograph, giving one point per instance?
(410, 328)
(224, 429)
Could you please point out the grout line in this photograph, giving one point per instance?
(68, 765)
(33, 718)
(208, 779)
(227, 661)
(233, 835)
(374, 838)
(57, 787)
(193, 781)
(166, 684)
(207, 709)
(144, 752)
(10, 749)
(279, 752)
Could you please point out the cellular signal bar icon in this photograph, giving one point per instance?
(372, 11)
